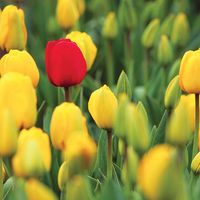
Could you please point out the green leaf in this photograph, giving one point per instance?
(101, 160)
(111, 191)
(159, 135)
(8, 187)
(47, 119)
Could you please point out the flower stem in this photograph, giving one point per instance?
(1, 179)
(67, 94)
(195, 141)
(109, 159)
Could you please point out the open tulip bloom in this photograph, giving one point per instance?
(99, 100)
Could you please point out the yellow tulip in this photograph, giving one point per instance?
(110, 27)
(80, 152)
(189, 72)
(195, 165)
(21, 62)
(36, 190)
(13, 33)
(33, 155)
(8, 133)
(4, 172)
(67, 13)
(102, 106)
(18, 95)
(66, 119)
(86, 44)
(63, 175)
(179, 128)
(158, 175)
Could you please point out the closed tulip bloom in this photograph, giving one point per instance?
(80, 152)
(189, 72)
(13, 30)
(4, 172)
(21, 62)
(8, 133)
(110, 27)
(66, 119)
(65, 63)
(67, 13)
(102, 106)
(33, 155)
(19, 97)
(63, 175)
(36, 190)
(158, 175)
(86, 44)
(195, 165)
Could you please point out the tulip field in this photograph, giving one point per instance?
(99, 100)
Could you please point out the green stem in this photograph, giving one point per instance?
(195, 141)
(67, 94)
(129, 57)
(109, 62)
(109, 159)
(1, 179)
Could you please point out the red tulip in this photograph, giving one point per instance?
(65, 64)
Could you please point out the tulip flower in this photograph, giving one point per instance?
(158, 173)
(86, 45)
(102, 106)
(110, 27)
(36, 190)
(33, 156)
(8, 133)
(65, 63)
(13, 33)
(80, 152)
(172, 94)
(80, 4)
(21, 62)
(179, 129)
(19, 97)
(189, 72)
(195, 165)
(66, 119)
(181, 30)
(67, 13)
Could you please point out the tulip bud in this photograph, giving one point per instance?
(66, 119)
(137, 129)
(158, 173)
(122, 117)
(188, 80)
(174, 70)
(67, 13)
(8, 133)
(179, 128)
(86, 45)
(78, 188)
(38, 191)
(19, 97)
(80, 153)
(102, 106)
(21, 62)
(181, 30)
(33, 156)
(127, 15)
(110, 27)
(195, 166)
(63, 175)
(3, 172)
(121, 147)
(13, 30)
(166, 27)
(123, 85)
(65, 63)
(165, 52)
(142, 110)
(173, 93)
(151, 33)
(129, 170)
